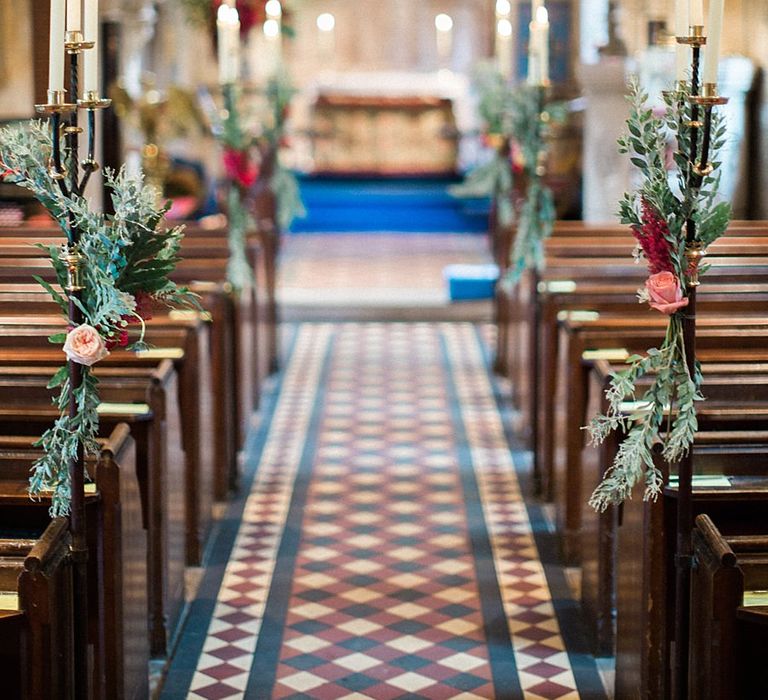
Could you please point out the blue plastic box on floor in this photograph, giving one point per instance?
(471, 282)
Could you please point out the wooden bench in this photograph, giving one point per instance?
(729, 600)
(568, 412)
(145, 399)
(117, 565)
(645, 564)
(36, 652)
(188, 348)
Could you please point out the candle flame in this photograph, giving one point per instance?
(542, 16)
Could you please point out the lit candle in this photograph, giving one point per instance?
(712, 47)
(542, 19)
(504, 46)
(696, 10)
(326, 24)
(56, 46)
(91, 56)
(273, 32)
(74, 16)
(228, 28)
(444, 28)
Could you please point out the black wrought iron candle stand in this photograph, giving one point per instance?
(65, 170)
(698, 168)
(533, 345)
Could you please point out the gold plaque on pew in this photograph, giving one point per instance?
(9, 600)
(189, 315)
(578, 316)
(161, 354)
(607, 354)
(705, 481)
(124, 409)
(557, 287)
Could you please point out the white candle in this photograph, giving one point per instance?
(712, 47)
(91, 56)
(533, 53)
(56, 46)
(444, 29)
(542, 19)
(74, 16)
(228, 28)
(682, 28)
(326, 39)
(504, 46)
(696, 10)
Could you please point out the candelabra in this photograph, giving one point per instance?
(702, 98)
(65, 170)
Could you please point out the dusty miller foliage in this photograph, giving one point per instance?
(125, 253)
(666, 412)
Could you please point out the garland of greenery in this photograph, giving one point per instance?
(657, 213)
(128, 257)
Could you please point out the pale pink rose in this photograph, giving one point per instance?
(664, 293)
(85, 345)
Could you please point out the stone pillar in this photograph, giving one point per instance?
(606, 172)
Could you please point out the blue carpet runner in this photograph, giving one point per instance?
(409, 206)
(383, 549)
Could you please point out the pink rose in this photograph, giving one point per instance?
(664, 293)
(85, 345)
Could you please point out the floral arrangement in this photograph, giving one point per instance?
(250, 160)
(658, 212)
(513, 122)
(127, 258)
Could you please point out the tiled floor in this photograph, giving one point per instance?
(384, 549)
(348, 272)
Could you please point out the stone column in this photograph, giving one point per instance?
(606, 173)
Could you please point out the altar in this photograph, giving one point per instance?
(393, 124)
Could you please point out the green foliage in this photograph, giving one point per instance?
(666, 414)
(125, 254)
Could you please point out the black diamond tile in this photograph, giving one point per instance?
(315, 595)
(407, 566)
(456, 610)
(448, 554)
(459, 643)
(356, 681)
(361, 580)
(322, 541)
(358, 644)
(317, 566)
(363, 554)
(465, 681)
(309, 626)
(453, 580)
(299, 696)
(407, 595)
(305, 662)
(410, 662)
(408, 627)
(364, 529)
(407, 541)
(359, 610)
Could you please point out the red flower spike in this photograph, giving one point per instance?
(239, 168)
(652, 237)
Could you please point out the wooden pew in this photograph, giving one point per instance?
(145, 399)
(578, 338)
(645, 565)
(36, 649)
(733, 407)
(187, 346)
(117, 563)
(26, 300)
(728, 635)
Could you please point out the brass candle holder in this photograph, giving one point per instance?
(695, 36)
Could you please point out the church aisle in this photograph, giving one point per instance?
(384, 550)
